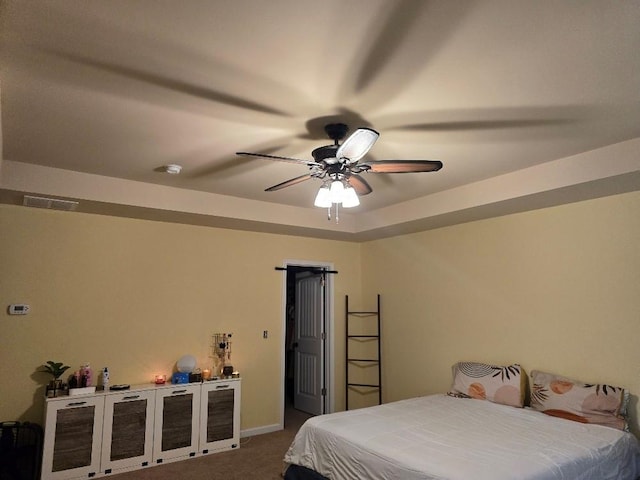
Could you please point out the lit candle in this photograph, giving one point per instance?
(160, 379)
(206, 374)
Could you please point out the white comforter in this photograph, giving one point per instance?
(440, 437)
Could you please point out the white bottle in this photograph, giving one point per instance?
(105, 378)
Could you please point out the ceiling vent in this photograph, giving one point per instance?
(52, 203)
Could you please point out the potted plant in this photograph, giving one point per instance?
(55, 369)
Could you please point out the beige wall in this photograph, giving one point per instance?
(136, 295)
(555, 289)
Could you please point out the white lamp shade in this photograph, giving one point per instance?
(323, 198)
(336, 192)
(350, 198)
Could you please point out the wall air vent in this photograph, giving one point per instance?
(53, 203)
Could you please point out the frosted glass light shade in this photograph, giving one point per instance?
(322, 198)
(336, 192)
(350, 198)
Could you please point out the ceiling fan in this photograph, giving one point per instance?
(339, 167)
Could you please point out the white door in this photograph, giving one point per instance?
(309, 329)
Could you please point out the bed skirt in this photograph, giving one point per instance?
(296, 472)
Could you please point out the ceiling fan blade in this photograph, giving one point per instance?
(288, 183)
(357, 144)
(471, 125)
(173, 84)
(279, 158)
(359, 184)
(403, 166)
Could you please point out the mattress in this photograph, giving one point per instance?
(442, 437)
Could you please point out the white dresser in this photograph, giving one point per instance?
(94, 435)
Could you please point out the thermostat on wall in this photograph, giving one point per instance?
(18, 309)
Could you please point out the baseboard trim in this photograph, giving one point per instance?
(250, 432)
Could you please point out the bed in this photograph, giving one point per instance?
(445, 437)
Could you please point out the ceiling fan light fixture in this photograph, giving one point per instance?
(337, 192)
(323, 199)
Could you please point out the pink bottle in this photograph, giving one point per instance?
(88, 374)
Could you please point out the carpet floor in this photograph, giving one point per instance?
(259, 457)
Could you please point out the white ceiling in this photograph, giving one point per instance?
(527, 104)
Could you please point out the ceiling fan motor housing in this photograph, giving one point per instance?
(326, 154)
(336, 131)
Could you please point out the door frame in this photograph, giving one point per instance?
(328, 352)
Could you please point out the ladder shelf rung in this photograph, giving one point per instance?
(362, 385)
(362, 360)
(363, 336)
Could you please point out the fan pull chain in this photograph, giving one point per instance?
(329, 213)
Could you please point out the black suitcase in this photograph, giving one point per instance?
(20, 451)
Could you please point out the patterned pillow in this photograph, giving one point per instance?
(503, 385)
(579, 401)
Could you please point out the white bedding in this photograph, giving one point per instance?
(441, 437)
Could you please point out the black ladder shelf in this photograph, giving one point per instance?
(351, 361)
